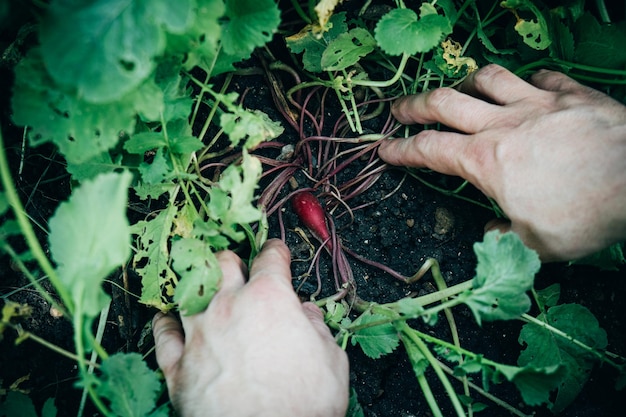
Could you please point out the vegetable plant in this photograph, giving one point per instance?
(164, 165)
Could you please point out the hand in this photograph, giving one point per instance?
(256, 350)
(551, 152)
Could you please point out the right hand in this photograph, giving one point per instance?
(551, 152)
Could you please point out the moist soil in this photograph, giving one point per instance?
(407, 224)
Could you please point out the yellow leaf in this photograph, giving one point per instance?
(452, 55)
(324, 10)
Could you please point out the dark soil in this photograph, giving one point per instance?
(402, 231)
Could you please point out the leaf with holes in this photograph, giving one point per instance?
(347, 49)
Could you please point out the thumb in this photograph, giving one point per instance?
(502, 225)
(316, 317)
(169, 342)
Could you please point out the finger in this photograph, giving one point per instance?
(447, 106)
(233, 271)
(316, 317)
(272, 263)
(445, 152)
(497, 84)
(169, 344)
(502, 225)
(554, 81)
(233, 279)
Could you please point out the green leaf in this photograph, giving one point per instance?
(249, 24)
(534, 32)
(81, 130)
(400, 32)
(151, 260)
(549, 296)
(157, 170)
(130, 386)
(313, 45)
(354, 408)
(199, 43)
(90, 237)
(347, 49)
(534, 383)
(544, 348)
(200, 274)
(253, 127)
(377, 340)
(94, 166)
(608, 259)
(106, 48)
(505, 271)
(230, 201)
(142, 142)
(17, 404)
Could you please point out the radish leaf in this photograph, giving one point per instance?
(84, 254)
(130, 386)
(505, 271)
(200, 274)
(544, 348)
(113, 43)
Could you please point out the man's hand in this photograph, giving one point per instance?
(256, 350)
(552, 153)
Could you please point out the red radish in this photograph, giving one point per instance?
(311, 214)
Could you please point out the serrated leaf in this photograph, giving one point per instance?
(79, 129)
(90, 237)
(106, 48)
(249, 24)
(142, 142)
(130, 386)
(401, 32)
(200, 274)
(347, 49)
(151, 260)
(544, 348)
(377, 340)
(505, 272)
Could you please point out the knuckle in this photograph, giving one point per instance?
(483, 75)
(437, 99)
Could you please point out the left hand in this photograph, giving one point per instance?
(256, 350)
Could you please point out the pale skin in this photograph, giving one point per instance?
(256, 350)
(551, 152)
